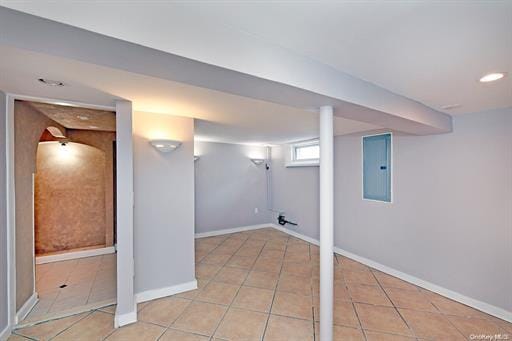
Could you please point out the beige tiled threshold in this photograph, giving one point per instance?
(73, 285)
(263, 285)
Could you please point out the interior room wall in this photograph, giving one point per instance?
(29, 124)
(230, 190)
(104, 141)
(450, 222)
(69, 194)
(4, 312)
(164, 202)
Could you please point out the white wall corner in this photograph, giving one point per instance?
(125, 319)
(149, 295)
(26, 308)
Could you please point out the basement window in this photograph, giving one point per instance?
(377, 167)
(305, 153)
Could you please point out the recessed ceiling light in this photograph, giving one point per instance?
(450, 106)
(93, 127)
(83, 118)
(50, 82)
(491, 77)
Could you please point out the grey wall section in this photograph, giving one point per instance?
(451, 219)
(296, 192)
(229, 186)
(4, 312)
(164, 202)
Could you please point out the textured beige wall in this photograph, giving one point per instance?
(103, 141)
(69, 197)
(29, 124)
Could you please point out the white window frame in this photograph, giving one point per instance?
(292, 154)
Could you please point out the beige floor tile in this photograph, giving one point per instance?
(265, 280)
(177, 335)
(251, 251)
(297, 269)
(139, 331)
(191, 294)
(219, 293)
(206, 271)
(451, 307)
(216, 259)
(349, 264)
(255, 299)
(294, 284)
(370, 294)
(272, 254)
(360, 277)
(341, 333)
(379, 318)
(231, 276)
(282, 328)
(293, 305)
(430, 325)
(241, 262)
(266, 265)
(376, 336)
(163, 311)
(476, 326)
(241, 324)
(96, 326)
(411, 299)
(111, 309)
(344, 313)
(201, 318)
(45, 331)
(388, 281)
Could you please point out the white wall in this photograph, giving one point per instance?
(451, 220)
(4, 312)
(164, 202)
(228, 186)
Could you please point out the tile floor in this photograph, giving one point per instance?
(88, 281)
(263, 284)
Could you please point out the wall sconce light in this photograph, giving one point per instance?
(257, 162)
(165, 146)
(196, 157)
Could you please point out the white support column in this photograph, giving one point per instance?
(126, 311)
(326, 222)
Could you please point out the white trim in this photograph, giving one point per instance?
(75, 255)
(124, 319)
(11, 212)
(471, 302)
(26, 308)
(149, 295)
(229, 231)
(62, 102)
(4, 334)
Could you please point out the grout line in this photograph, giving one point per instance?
(71, 325)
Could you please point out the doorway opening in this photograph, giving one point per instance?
(65, 208)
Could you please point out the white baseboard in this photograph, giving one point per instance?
(125, 319)
(4, 334)
(471, 302)
(26, 308)
(164, 292)
(233, 230)
(75, 255)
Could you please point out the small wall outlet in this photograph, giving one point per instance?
(256, 210)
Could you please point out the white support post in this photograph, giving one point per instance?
(126, 311)
(326, 223)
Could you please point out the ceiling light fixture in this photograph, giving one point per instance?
(93, 127)
(165, 146)
(83, 118)
(257, 162)
(451, 106)
(491, 77)
(50, 82)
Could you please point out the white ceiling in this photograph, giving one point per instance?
(430, 51)
(220, 116)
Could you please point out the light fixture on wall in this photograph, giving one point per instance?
(491, 77)
(196, 157)
(50, 82)
(165, 146)
(257, 162)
